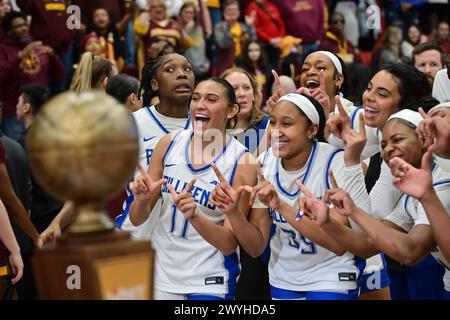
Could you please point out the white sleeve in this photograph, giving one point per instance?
(400, 218)
(384, 195)
(440, 92)
(355, 185)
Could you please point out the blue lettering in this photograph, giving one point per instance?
(205, 198)
(195, 193)
(276, 216)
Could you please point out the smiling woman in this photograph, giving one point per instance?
(192, 233)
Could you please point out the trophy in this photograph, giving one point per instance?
(83, 148)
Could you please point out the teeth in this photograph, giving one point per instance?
(370, 109)
(202, 116)
(311, 82)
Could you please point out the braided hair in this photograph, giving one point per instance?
(149, 73)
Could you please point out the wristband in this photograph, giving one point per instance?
(299, 215)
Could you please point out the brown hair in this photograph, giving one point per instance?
(90, 72)
(257, 115)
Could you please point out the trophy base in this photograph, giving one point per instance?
(105, 265)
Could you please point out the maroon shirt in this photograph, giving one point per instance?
(303, 18)
(115, 8)
(49, 22)
(15, 72)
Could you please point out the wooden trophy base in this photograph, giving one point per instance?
(107, 265)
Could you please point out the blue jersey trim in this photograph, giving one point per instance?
(156, 120)
(120, 219)
(354, 113)
(170, 146)
(189, 165)
(236, 165)
(305, 177)
(438, 183)
(330, 160)
(231, 264)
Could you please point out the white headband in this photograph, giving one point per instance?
(303, 104)
(412, 117)
(334, 60)
(439, 106)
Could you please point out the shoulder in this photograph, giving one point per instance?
(246, 170)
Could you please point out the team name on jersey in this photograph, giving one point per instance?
(201, 196)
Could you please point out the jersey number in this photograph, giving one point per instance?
(307, 246)
(175, 228)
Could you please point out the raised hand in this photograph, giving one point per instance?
(340, 199)
(264, 190)
(250, 19)
(354, 143)
(410, 180)
(224, 196)
(316, 210)
(143, 186)
(436, 133)
(184, 200)
(278, 92)
(320, 94)
(339, 124)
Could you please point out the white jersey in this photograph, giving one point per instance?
(296, 263)
(441, 86)
(409, 212)
(152, 126)
(185, 262)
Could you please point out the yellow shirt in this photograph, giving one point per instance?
(213, 3)
(236, 32)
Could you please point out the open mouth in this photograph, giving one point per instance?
(201, 120)
(370, 112)
(312, 84)
(184, 88)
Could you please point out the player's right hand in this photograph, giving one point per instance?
(339, 124)
(48, 237)
(143, 187)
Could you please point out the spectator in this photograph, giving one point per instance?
(441, 36)
(388, 49)
(5, 7)
(29, 61)
(414, 37)
(126, 90)
(230, 36)
(335, 41)
(44, 207)
(188, 21)
(120, 12)
(90, 43)
(253, 59)
(49, 25)
(428, 58)
(112, 45)
(154, 26)
(92, 73)
(304, 20)
(269, 28)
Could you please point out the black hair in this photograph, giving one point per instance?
(35, 94)
(231, 95)
(322, 118)
(147, 74)
(412, 84)
(121, 86)
(344, 87)
(9, 18)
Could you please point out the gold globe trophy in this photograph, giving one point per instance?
(83, 147)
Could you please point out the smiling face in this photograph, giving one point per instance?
(290, 131)
(381, 99)
(429, 63)
(174, 78)
(210, 107)
(244, 93)
(310, 77)
(400, 140)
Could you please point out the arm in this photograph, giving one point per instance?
(9, 240)
(253, 233)
(147, 187)
(207, 24)
(223, 36)
(221, 237)
(14, 206)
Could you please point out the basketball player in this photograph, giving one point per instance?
(305, 263)
(194, 241)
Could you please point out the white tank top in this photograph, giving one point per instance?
(296, 263)
(185, 262)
